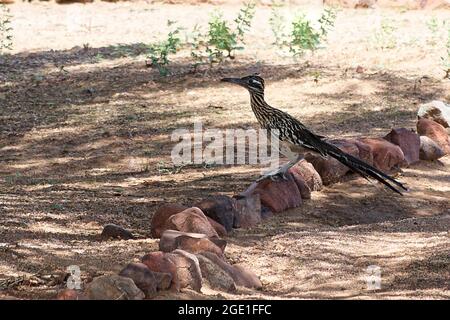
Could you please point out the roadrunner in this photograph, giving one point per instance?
(295, 139)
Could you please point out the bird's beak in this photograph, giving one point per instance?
(237, 81)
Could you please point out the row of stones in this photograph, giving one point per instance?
(191, 246)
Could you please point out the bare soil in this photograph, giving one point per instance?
(85, 141)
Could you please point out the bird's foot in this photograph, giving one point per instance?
(274, 176)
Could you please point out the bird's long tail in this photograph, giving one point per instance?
(362, 168)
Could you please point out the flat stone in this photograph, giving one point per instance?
(113, 287)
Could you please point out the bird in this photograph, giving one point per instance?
(295, 139)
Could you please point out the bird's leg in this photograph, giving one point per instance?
(281, 171)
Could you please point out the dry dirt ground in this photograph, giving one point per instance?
(85, 141)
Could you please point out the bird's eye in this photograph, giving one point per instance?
(253, 81)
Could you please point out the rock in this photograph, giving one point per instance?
(142, 276)
(191, 220)
(70, 294)
(309, 174)
(429, 150)
(168, 243)
(437, 111)
(219, 208)
(163, 280)
(247, 278)
(277, 195)
(305, 192)
(159, 219)
(158, 262)
(191, 242)
(330, 169)
(215, 276)
(364, 151)
(221, 243)
(266, 213)
(360, 69)
(434, 131)
(241, 276)
(112, 231)
(189, 274)
(113, 287)
(248, 211)
(220, 229)
(408, 141)
(194, 245)
(386, 155)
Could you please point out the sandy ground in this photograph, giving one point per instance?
(89, 144)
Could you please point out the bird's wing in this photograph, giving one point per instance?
(295, 132)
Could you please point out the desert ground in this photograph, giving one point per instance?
(85, 140)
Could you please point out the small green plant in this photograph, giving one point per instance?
(277, 24)
(244, 20)
(385, 37)
(5, 29)
(304, 37)
(159, 52)
(433, 26)
(221, 40)
(327, 20)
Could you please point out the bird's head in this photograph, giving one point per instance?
(253, 83)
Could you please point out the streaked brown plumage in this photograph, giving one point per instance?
(295, 138)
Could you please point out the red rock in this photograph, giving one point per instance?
(191, 242)
(241, 275)
(163, 280)
(168, 243)
(364, 151)
(386, 155)
(219, 208)
(434, 131)
(189, 274)
(277, 195)
(437, 111)
(191, 220)
(142, 276)
(159, 219)
(112, 231)
(305, 192)
(194, 245)
(429, 150)
(220, 229)
(169, 237)
(248, 211)
(330, 169)
(215, 276)
(408, 141)
(311, 177)
(159, 262)
(70, 294)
